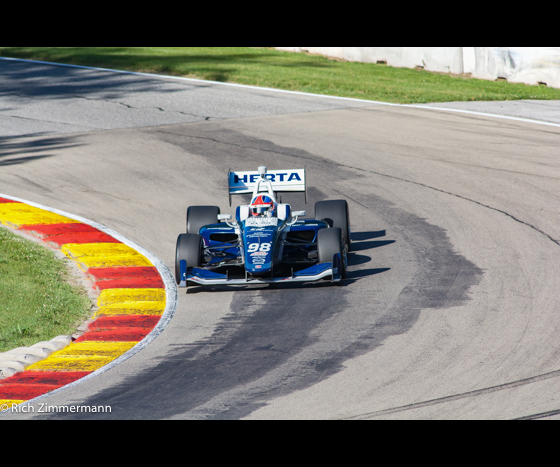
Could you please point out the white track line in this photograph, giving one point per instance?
(298, 93)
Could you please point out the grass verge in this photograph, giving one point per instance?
(267, 67)
(37, 301)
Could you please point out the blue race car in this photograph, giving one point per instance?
(267, 242)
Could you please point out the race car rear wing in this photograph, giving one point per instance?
(240, 183)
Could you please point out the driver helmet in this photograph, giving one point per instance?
(262, 205)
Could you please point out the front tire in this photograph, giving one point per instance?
(190, 248)
(335, 213)
(329, 243)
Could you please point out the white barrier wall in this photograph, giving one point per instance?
(531, 65)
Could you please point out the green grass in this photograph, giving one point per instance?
(37, 302)
(267, 67)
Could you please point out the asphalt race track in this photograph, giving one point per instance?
(451, 307)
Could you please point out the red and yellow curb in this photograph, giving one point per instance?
(131, 301)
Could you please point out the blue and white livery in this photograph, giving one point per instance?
(266, 242)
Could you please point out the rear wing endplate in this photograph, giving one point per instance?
(240, 183)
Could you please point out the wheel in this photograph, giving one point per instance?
(190, 247)
(199, 216)
(330, 243)
(335, 213)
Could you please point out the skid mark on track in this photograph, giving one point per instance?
(466, 395)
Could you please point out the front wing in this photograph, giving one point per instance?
(314, 273)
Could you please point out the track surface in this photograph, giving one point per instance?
(451, 307)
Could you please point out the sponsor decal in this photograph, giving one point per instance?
(259, 253)
(254, 247)
(281, 180)
(261, 222)
(258, 234)
(273, 177)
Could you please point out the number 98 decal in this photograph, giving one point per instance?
(254, 247)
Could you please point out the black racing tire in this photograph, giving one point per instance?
(199, 216)
(330, 243)
(335, 213)
(190, 247)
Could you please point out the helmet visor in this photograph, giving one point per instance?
(258, 211)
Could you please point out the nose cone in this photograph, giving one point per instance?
(258, 268)
(259, 261)
(259, 250)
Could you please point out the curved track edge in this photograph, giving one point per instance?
(123, 352)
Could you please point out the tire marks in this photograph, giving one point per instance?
(466, 395)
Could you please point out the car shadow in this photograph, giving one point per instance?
(359, 236)
(361, 241)
(370, 245)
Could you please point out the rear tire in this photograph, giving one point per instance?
(199, 216)
(190, 247)
(335, 213)
(329, 243)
